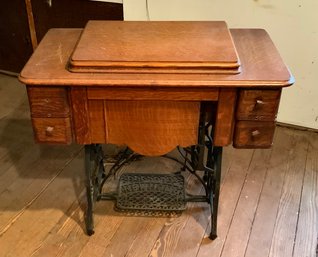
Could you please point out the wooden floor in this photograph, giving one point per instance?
(268, 201)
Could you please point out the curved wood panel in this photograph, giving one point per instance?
(152, 128)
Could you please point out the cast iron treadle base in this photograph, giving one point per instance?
(151, 192)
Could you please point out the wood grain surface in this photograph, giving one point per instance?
(254, 134)
(283, 237)
(224, 122)
(229, 195)
(307, 229)
(80, 115)
(157, 70)
(253, 45)
(165, 94)
(258, 104)
(152, 127)
(48, 102)
(163, 44)
(241, 224)
(97, 121)
(52, 130)
(48, 65)
(260, 238)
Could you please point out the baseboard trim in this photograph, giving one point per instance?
(9, 73)
(286, 125)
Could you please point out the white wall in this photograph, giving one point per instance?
(292, 25)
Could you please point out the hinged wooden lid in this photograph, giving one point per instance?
(169, 46)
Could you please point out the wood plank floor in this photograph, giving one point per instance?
(268, 201)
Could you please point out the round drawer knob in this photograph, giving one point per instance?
(258, 104)
(255, 133)
(49, 131)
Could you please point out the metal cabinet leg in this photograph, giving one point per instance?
(89, 190)
(212, 168)
(95, 173)
(217, 161)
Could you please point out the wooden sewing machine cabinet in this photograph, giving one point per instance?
(152, 112)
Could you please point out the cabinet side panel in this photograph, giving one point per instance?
(224, 123)
(97, 123)
(80, 117)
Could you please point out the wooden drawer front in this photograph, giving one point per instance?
(48, 102)
(52, 130)
(258, 105)
(253, 134)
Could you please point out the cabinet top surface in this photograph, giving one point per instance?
(155, 44)
(261, 66)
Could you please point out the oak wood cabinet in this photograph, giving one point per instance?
(153, 99)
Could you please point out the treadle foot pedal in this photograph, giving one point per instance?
(151, 194)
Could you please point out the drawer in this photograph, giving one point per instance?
(48, 102)
(253, 134)
(52, 130)
(258, 104)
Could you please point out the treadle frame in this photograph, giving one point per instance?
(194, 162)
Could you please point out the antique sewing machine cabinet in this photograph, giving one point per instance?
(155, 86)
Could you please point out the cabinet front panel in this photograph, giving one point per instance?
(147, 127)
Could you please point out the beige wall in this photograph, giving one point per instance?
(293, 26)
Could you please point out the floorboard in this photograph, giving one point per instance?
(287, 215)
(307, 227)
(242, 222)
(260, 239)
(229, 196)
